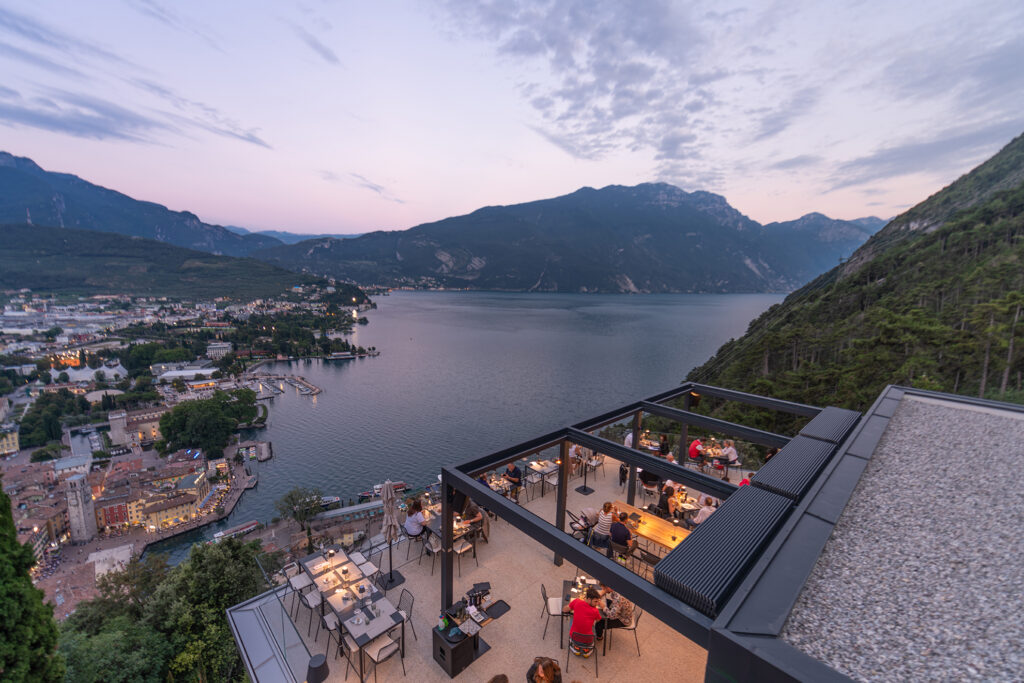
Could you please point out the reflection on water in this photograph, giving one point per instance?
(462, 374)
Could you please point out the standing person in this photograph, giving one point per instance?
(603, 529)
(663, 447)
(544, 670)
(628, 441)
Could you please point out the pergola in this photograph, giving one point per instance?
(727, 546)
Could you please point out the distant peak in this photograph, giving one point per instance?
(22, 163)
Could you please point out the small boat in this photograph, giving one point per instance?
(329, 500)
(341, 355)
(239, 530)
(398, 487)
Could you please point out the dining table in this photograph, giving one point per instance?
(652, 527)
(543, 468)
(572, 589)
(359, 605)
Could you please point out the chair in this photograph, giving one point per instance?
(596, 462)
(580, 529)
(405, 603)
(432, 547)
(461, 547)
(552, 608)
(530, 482)
(648, 560)
(349, 648)
(382, 649)
(312, 600)
(637, 613)
(371, 568)
(552, 480)
(582, 645)
(330, 622)
(621, 553)
(356, 558)
(650, 490)
(413, 539)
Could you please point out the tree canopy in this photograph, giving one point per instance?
(28, 634)
(208, 423)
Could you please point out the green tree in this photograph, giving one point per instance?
(198, 424)
(189, 607)
(121, 651)
(300, 504)
(28, 634)
(63, 378)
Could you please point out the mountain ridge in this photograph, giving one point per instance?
(28, 193)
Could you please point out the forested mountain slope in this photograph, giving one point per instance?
(940, 305)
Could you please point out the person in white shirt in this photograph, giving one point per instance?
(701, 515)
(628, 441)
(729, 451)
(415, 520)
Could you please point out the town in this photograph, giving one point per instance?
(88, 383)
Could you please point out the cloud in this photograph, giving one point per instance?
(200, 115)
(314, 44)
(9, 93)
(165, 16)
(39, 61)
(618, 71)
(943, 153)
(33, 31)
(781, 118)
(82, 116)
(361, 181)
(800, 161)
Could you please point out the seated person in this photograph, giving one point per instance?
(472, 514)
(746, 480)
(696, 451)
(620, 532)
(663, 447)
(730, 454)
(415, 519)
(701, 515)
(618, 612)
(585, 613)
(514, 476)
(667, 502)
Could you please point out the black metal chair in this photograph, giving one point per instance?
(381, 649)
(405, 603)
(552, 608)
(637, 613)
(582, 645)
(580, 529)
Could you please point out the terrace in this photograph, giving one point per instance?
(714, 600)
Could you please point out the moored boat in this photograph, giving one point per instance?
(239, 530)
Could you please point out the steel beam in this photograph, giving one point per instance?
(663, 606)
(755, 400)
(758, 436)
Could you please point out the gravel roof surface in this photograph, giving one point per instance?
(923, 577)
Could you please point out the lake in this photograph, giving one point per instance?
(463, 374)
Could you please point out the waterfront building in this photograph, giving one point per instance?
(75, 464)
(81, 512)
(167, 510)
(135, 427)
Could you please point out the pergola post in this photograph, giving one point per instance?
(447, 539)
(638, 418)
(563, 486)
(684, 448)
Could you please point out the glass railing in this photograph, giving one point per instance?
(277, 608)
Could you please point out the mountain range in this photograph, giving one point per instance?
(652, 237)
(288, 237)
(933, 300)
(64, 260)
(648, 238)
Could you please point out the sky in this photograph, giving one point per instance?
(345, 117)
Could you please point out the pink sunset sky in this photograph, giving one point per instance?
(350, 117)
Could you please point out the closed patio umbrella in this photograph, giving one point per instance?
(390, 530)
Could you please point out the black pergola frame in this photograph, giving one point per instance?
(678, 615)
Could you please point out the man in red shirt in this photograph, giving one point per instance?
(584, 614)
(696, 450)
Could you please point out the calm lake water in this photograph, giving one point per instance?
(463, 374)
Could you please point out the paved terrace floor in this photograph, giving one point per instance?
(516, 566)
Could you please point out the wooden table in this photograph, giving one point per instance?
(652, 527)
